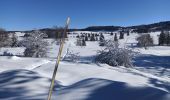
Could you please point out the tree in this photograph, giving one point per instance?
(111, 33)
(4, 38)
(121, 35)
(115, 37)
(101, 40)
(77, 36)
(168, 39)
(80, 42)
(71, 56)
(101, 37)
(83, 42)
(145, 40)
(162, 38)
(115, 56)
(89, 35)
(86, 38)
(92, 38)
(35, 45)
(14, 40)
(96, 38)
(128, 33)
(59, 32)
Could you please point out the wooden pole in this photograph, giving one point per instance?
(58, 59)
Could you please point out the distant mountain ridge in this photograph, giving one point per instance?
(139, 28)
(165, 25)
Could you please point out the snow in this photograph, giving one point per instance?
(19, 51)
(24, 78)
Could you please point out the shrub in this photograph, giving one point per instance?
(115, 56)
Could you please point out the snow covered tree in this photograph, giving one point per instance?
(168, 39)
(101, 37)
(77, 36)
(115, 37)
(162, 38)
(35, 44)
(92, 38)
(128, 33)
(4, 38)
(115, 56)
(145, 40)
(121, 35)
(71, 56)
(80, 42)
(14, 40)
(83, 42)
(102, 40)
(58, 31)
(111, 33)
(89, 35)
(86, 38)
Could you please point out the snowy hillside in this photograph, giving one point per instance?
(24, 78)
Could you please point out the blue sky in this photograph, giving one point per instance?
(30, 14)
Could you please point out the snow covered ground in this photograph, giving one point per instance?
(24, 78)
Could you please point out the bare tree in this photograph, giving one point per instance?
(71, 57)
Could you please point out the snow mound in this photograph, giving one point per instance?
(15, 58)
(23, 85)
(101, 89)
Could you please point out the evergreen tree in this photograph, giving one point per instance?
(86, 38)
(168, 39)
(101, 37)
(14, 40)
(102, 40)
(77, 36)
(121, 35)
(92, 38)
(96, 38)
(162, 38)
(115, 37)
(89, 35)
(83, 42)
(128, 33)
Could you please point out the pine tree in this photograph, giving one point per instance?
(96, 38)
(128, 33)
(86, 38)
(168, 39)
(77, 36)
(102, 40)
(89, 35)
(121, 35)
(92, 38)
(115, 37)
(14, 40)
(83, 42)
(101, 37)
(162, 38)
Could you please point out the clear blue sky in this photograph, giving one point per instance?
(30, 14)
